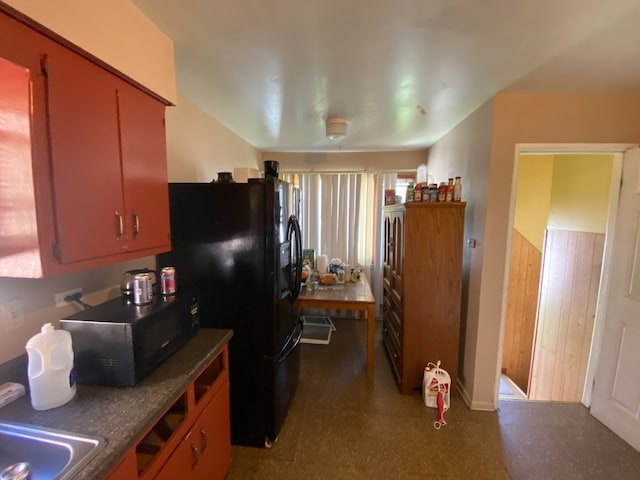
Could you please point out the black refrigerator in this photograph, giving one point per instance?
(238, 247)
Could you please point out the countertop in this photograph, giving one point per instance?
(121, 415)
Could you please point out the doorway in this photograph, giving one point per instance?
(561, 214)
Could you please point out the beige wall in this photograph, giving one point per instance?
(465, 151)
(198, 146)
(116, 32)
(347, 161)
(531, 119)
(119, 34)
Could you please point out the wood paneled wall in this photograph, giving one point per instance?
(572, 262)
(522, 306)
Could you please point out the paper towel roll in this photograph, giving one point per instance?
(322, 263)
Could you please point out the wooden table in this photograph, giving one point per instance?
(353, 296)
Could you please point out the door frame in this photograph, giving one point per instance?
(617, 150)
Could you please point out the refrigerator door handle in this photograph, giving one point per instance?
(293, 229)
(288, 346)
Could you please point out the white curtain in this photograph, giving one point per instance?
(341, 217)
(338, 215)
(338, 218)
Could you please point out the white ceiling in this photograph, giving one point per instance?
(402, 72)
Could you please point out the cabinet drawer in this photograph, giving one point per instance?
(386, 283)
(394, 322)
(396, 282)
(386, 271)
(393, 352)
(397, 299)
(386, 302)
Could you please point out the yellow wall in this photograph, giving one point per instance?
(562, 192)
(533, 197)
(580, 193)
(487, 143)
(530, 119)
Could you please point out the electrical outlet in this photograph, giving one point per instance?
(59, 297)
(11, 315)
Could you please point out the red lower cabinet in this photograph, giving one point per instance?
(192, 439)
(205, 451)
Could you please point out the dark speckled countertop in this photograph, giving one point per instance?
(121, 415)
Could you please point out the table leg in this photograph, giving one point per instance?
(371, 325)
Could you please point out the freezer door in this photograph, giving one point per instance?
(285, 371)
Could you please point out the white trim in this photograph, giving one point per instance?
(473, 405)
(463, 392)
(615, 149)
(603, 291)
(579, 148)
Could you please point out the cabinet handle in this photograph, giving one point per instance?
(204, 438)
(195, 454)
(136, 224)
(120, 224)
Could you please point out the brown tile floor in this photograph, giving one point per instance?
(343, 426)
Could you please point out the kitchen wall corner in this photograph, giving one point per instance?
(198, 146)
(36, 297)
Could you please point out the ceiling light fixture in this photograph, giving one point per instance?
(336, 128)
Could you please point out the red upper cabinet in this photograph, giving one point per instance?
(143, 149)
(97, 189)
(85, 154)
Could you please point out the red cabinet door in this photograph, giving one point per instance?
(205, 451)
(214, 431)
(87, 175)
(144, 167)
(182, 461)
(25, 198)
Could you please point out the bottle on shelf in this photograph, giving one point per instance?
(457, 190)
(442, 192)
(410, 192)
(449, 193)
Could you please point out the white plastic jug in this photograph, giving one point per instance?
(436, 380)
(50, 369)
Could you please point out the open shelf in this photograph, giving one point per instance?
(208, 377)
(151, 445)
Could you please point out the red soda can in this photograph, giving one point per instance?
(168, 281)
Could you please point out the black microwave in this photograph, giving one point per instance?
(118, 343)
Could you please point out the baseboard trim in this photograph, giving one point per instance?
(474, 405)
(464, 393)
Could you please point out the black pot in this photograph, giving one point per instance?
(271, 168)
(225, 177)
